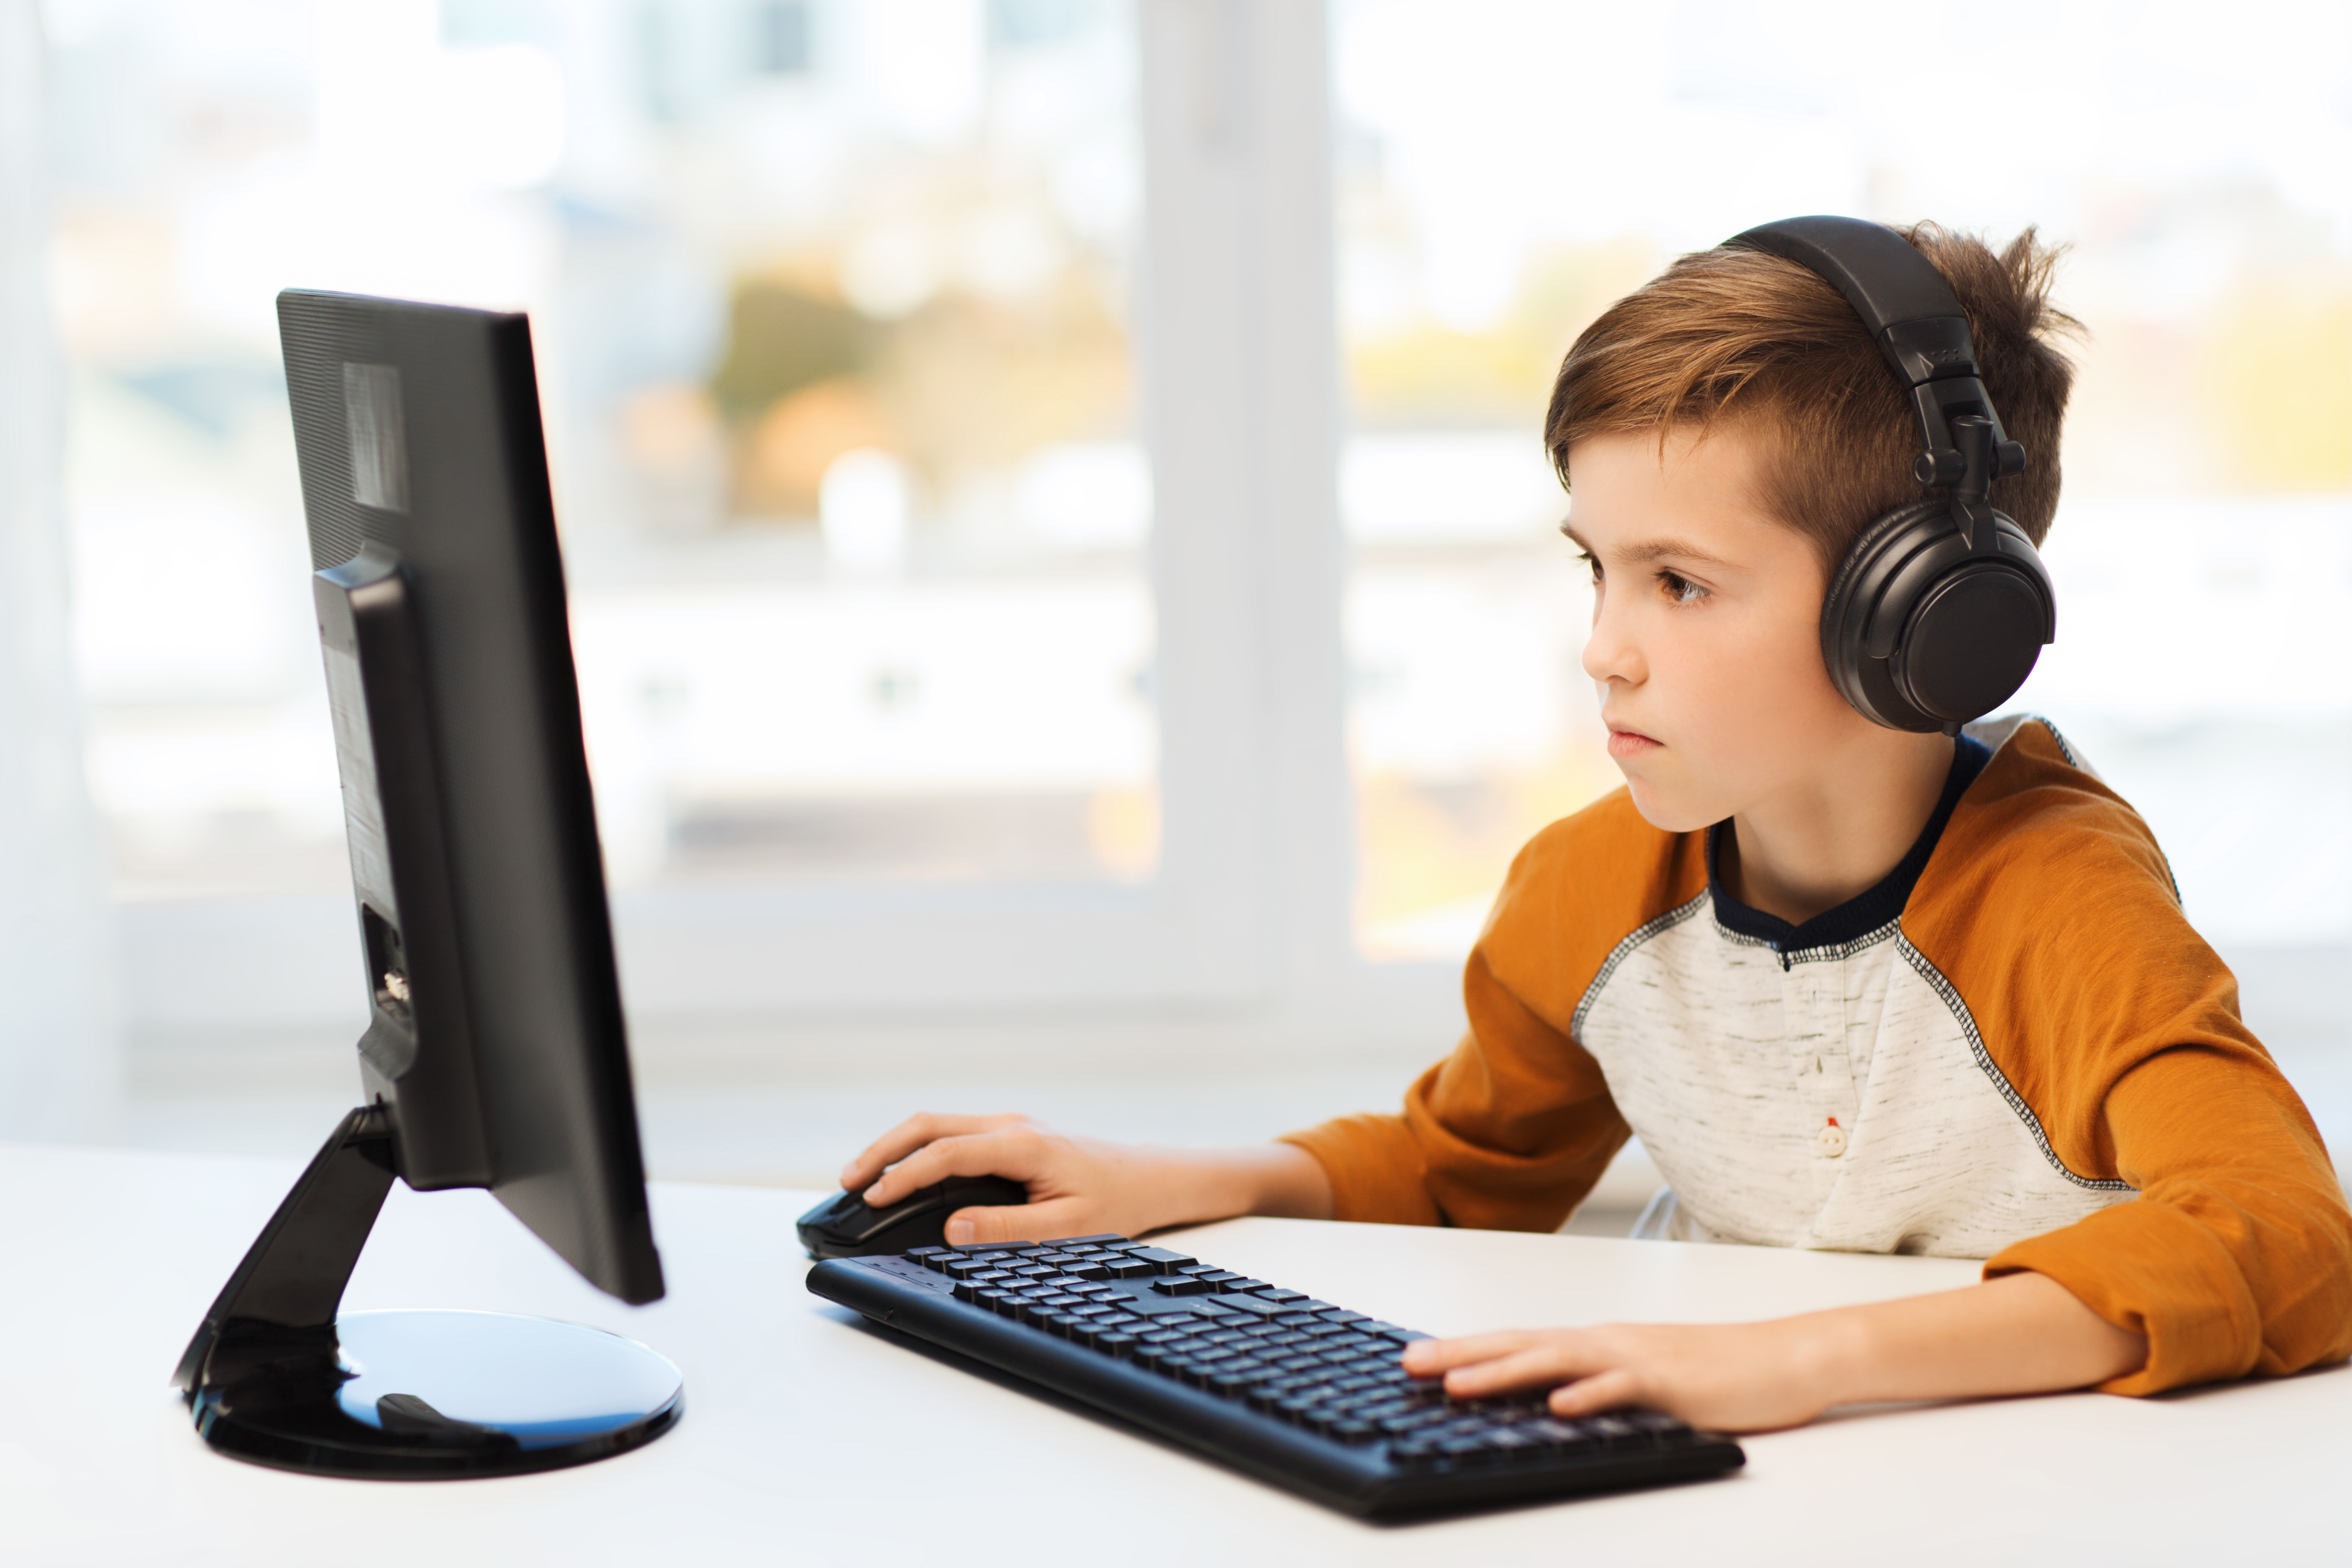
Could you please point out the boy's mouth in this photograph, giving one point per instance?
(1624, 743)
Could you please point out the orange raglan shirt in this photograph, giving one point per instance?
(2016, 1050)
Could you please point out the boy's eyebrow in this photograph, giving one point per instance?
(1653, 549)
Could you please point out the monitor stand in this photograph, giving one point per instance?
(276, 1377)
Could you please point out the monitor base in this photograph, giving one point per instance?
(424, 1395)
(278, 1375)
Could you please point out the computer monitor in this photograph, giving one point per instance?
(495, 1053)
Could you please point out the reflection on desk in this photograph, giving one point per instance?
(810, 1437)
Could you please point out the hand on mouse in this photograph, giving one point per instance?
(1079, 1186)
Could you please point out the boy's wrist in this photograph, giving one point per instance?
(1834, 1356)
(1192, 1188)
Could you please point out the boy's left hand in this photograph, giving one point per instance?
(2022, 1333)
(1729, 1378)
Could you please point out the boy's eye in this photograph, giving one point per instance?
(1590, 564)
(1681, 589)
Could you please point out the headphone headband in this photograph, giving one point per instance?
(1918, 323)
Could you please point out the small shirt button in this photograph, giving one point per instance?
(1830, 1140)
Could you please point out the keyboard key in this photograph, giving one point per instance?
(1417, 1421)
(1620, 1432)
(1118, 1268)
(1659, 1426)
(1285, 1297)
(1067, 1242)
(1160, 1256)
(1180, 1285)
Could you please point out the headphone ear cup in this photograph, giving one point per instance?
(1920, 632)
(1864, 682)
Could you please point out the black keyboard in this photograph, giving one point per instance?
(1293, 1390)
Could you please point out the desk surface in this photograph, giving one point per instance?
(809, 1438)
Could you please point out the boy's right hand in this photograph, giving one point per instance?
(1082, 1187)
(1077, 1186)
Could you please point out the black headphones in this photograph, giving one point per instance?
(1940, 608)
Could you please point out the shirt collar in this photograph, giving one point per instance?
(1866, 910)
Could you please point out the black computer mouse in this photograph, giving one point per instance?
(843, 1226)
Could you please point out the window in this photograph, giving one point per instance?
(936, 644)
(1052, 488)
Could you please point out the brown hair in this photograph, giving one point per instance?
(1758, 341)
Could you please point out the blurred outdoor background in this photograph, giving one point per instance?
(850, 369)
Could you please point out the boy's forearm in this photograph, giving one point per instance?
(1276, 1179)
(2024, 1333)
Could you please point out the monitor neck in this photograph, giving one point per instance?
(281, 1300)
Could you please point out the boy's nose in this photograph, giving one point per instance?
(1611, 656)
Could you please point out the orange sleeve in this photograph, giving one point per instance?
(2117, 1027)
(1512, 1131)
(2236, 1257)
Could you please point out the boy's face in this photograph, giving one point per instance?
(1706, 631)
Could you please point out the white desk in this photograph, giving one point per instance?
(808, 1439)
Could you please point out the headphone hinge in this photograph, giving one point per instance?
(1966, 450)
(1984, 456)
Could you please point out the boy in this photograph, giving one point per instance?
(1854, 987)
